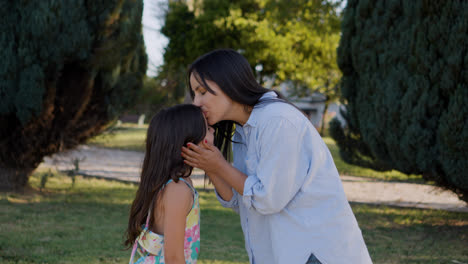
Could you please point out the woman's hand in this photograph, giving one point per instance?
(204, 156)
(208, 158)
(206, 153)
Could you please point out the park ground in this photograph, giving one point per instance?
(69, 218)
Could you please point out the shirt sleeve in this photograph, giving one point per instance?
(282, 167)
(233, 203)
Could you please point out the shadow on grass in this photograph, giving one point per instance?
(86, 224)
(406, 235)
(63, 231)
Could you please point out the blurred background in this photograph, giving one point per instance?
(384, 82)
(291, 47)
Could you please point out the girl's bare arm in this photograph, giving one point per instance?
(177, 202)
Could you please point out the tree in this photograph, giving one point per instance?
(68, 67)
(291, 40)
(151, 98)
(405, 82)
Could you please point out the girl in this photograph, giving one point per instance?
(164, 223)
(283, 182)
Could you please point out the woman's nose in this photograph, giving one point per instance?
(196, 101)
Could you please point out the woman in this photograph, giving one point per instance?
(283, 181)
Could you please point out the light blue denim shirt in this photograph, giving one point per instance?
(293, 203)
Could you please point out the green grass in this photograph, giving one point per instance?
(131, 137)
(125, 137)
(353, 170)
(85, 223)
(404, 235)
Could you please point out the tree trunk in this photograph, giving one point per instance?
(322, 129)
(14, 179)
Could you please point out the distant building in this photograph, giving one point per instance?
(313, 105)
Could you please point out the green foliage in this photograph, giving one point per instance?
(292, 40)
(151, 98)
(42, 34)
(41, 38)
(68, 67)
(405, 83)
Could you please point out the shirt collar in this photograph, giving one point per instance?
(252, 121)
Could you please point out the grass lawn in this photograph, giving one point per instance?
(125, 137)
(85, 223)
(132, 137)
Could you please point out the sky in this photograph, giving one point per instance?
(155, 42)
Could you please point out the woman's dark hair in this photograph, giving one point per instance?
(169, 130)
(233, 74)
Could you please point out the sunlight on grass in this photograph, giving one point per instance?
(404, 235)
(85, 223)
(132, 137)
(125, 137)
(65, 224)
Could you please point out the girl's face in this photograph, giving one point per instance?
(215, 107)
(209, 137)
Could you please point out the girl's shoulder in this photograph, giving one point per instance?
(182, 186)
(178, 194)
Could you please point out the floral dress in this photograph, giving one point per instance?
(150, 245)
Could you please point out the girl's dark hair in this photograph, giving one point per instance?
(233, 74)
(169, 130)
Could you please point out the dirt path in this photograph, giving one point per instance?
(125, 166)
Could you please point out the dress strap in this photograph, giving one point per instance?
(170, 180)
(182, 179)
(189, 185)
(135, 245)
(194, 192)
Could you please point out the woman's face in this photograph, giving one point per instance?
(215, 107)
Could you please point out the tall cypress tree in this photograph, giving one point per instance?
(405, 82)
(67, 68)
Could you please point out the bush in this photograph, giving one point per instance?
(405, 81)
(68, 67)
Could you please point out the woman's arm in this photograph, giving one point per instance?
(284, 162)
(177, 202)
(280, 172)
(223, 189)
